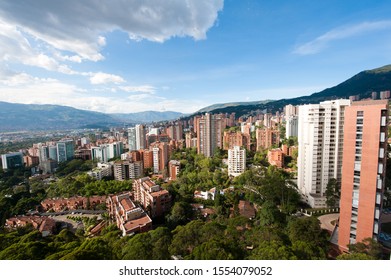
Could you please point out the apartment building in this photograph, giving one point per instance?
(155, 200)
(320, 148)
(363, 171)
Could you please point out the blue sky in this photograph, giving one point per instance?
(129, 56)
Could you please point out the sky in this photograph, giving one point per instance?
(127, 56)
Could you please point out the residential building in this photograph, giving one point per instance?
(140, 136)
(292, 126)
(267, 137)
(30, 160)
(132, 139)
(236, 161)
(174, 166)
(102, 170)
(129, 218)
(236, 138)
(48, 166)
(209, 134)
(155, 200)
(72, 203)
(46, 225)
(12, 160)
(363, 171)
(276, 157)
(53, 152)
(126, 169)
(147, 158)
(65, 150)
(385, 94)
(320, 148)
(160, 153)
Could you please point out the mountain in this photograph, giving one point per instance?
(148, 116)
(15, 116)
(361, 84)
(231, 104)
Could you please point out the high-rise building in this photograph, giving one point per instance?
(65, 150)
(291, 110)
(53, 152)
(105, 152)
(236, 161)
(174, 166)
(125, 170)
(12, 160)
(209, 134)
(140, 137)
(292, 126)
(160, 156)
(236, 138)
(43, 152)
(320, 148)
(132, 138)
(267, 137)
(363, 171)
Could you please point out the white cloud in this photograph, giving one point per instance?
(145, 88)
(104, 78)
(78, 26)
(24, 88)
(322, 42)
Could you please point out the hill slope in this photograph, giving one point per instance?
(362, 84)
(147, 116)
(14, 116)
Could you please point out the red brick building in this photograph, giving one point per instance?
(155, 200)
(363, 171)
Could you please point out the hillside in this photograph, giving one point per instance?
(147, 116)
(231, 104)
(14, 116)
(362, 84)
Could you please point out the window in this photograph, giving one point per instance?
(383, 121)
(382, 136)
(360, 113)
(360, 121)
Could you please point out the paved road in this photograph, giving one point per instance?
(325, 221)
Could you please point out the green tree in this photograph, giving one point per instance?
(332, 193)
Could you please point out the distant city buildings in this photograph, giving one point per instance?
(101, 171)
(12, 160)
(267, 137)
(65, 150)
(128, 169)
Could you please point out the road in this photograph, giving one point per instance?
(325, 221)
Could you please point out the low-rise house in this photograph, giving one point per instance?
(129, 218)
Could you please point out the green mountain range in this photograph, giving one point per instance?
(15, 116)
(361, 84)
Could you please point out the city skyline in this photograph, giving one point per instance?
(183, 55)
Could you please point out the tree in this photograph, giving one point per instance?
(367, 246)
(181, 213)
(307, 230)
(332, 193)
(271, 215)
(272, 251)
